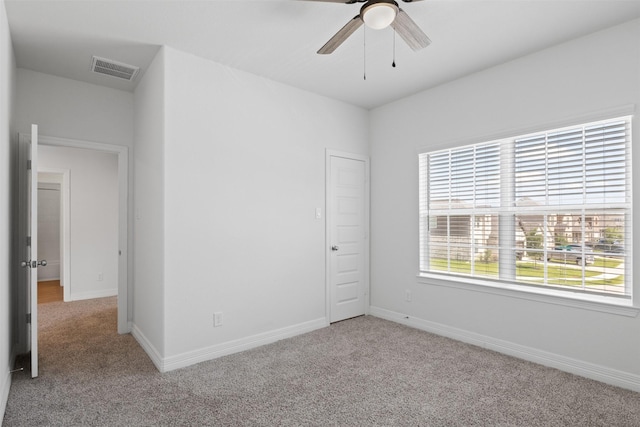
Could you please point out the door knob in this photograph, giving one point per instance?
(335, 248)
(33, 264)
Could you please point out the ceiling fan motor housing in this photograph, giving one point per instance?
(379, 14)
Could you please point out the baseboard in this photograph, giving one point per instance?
(574, 366)
(146, 345)
(242, 344)
(5, 386)
(77, 296)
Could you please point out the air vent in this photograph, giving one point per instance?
(114, 68)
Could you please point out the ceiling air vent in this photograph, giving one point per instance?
(114, 68)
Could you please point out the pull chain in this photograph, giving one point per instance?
(364, 51)
(393, 64)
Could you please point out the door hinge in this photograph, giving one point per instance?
(28, 165)
(28, 315)
(28, 240)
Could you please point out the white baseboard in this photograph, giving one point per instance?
(77, 296)
(242, 344)
(5, 386)
(213, 352)
(574, 366)
(47, 279)
(146, 345)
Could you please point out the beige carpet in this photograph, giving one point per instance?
(361, 372)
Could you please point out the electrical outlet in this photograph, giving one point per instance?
(217, 319)
(407, 295)
(100, 277)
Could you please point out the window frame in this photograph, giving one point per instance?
(620, 304)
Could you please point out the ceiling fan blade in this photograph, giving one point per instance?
(341, 36)
(409, 31)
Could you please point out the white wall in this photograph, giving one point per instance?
(7, 297)
(149, 288)
(581, 77)
(93, 218)
(244, 172)
(75, 110)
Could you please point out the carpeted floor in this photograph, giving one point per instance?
(361, 372)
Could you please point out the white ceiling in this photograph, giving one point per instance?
(279, 39)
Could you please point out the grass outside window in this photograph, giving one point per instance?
(605, 272)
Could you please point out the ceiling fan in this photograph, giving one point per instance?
(378, 14)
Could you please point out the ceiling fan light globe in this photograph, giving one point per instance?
(379, 15)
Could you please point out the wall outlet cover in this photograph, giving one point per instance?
(217, 319)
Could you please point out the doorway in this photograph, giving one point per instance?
(53, 232)
(49, 236)
(27, 224)
(347, 231)
(119, 251)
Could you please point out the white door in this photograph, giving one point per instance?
(28, 211)
(347, 207)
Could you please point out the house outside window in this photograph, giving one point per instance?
(550, 209)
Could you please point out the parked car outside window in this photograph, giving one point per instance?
(570, 253)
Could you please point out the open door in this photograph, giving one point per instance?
(28, 211)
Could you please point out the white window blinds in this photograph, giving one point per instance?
(546, 209)
(577, 166)
(465, 178)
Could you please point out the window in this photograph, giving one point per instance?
(550, 209)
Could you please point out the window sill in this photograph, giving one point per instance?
(611, 305)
